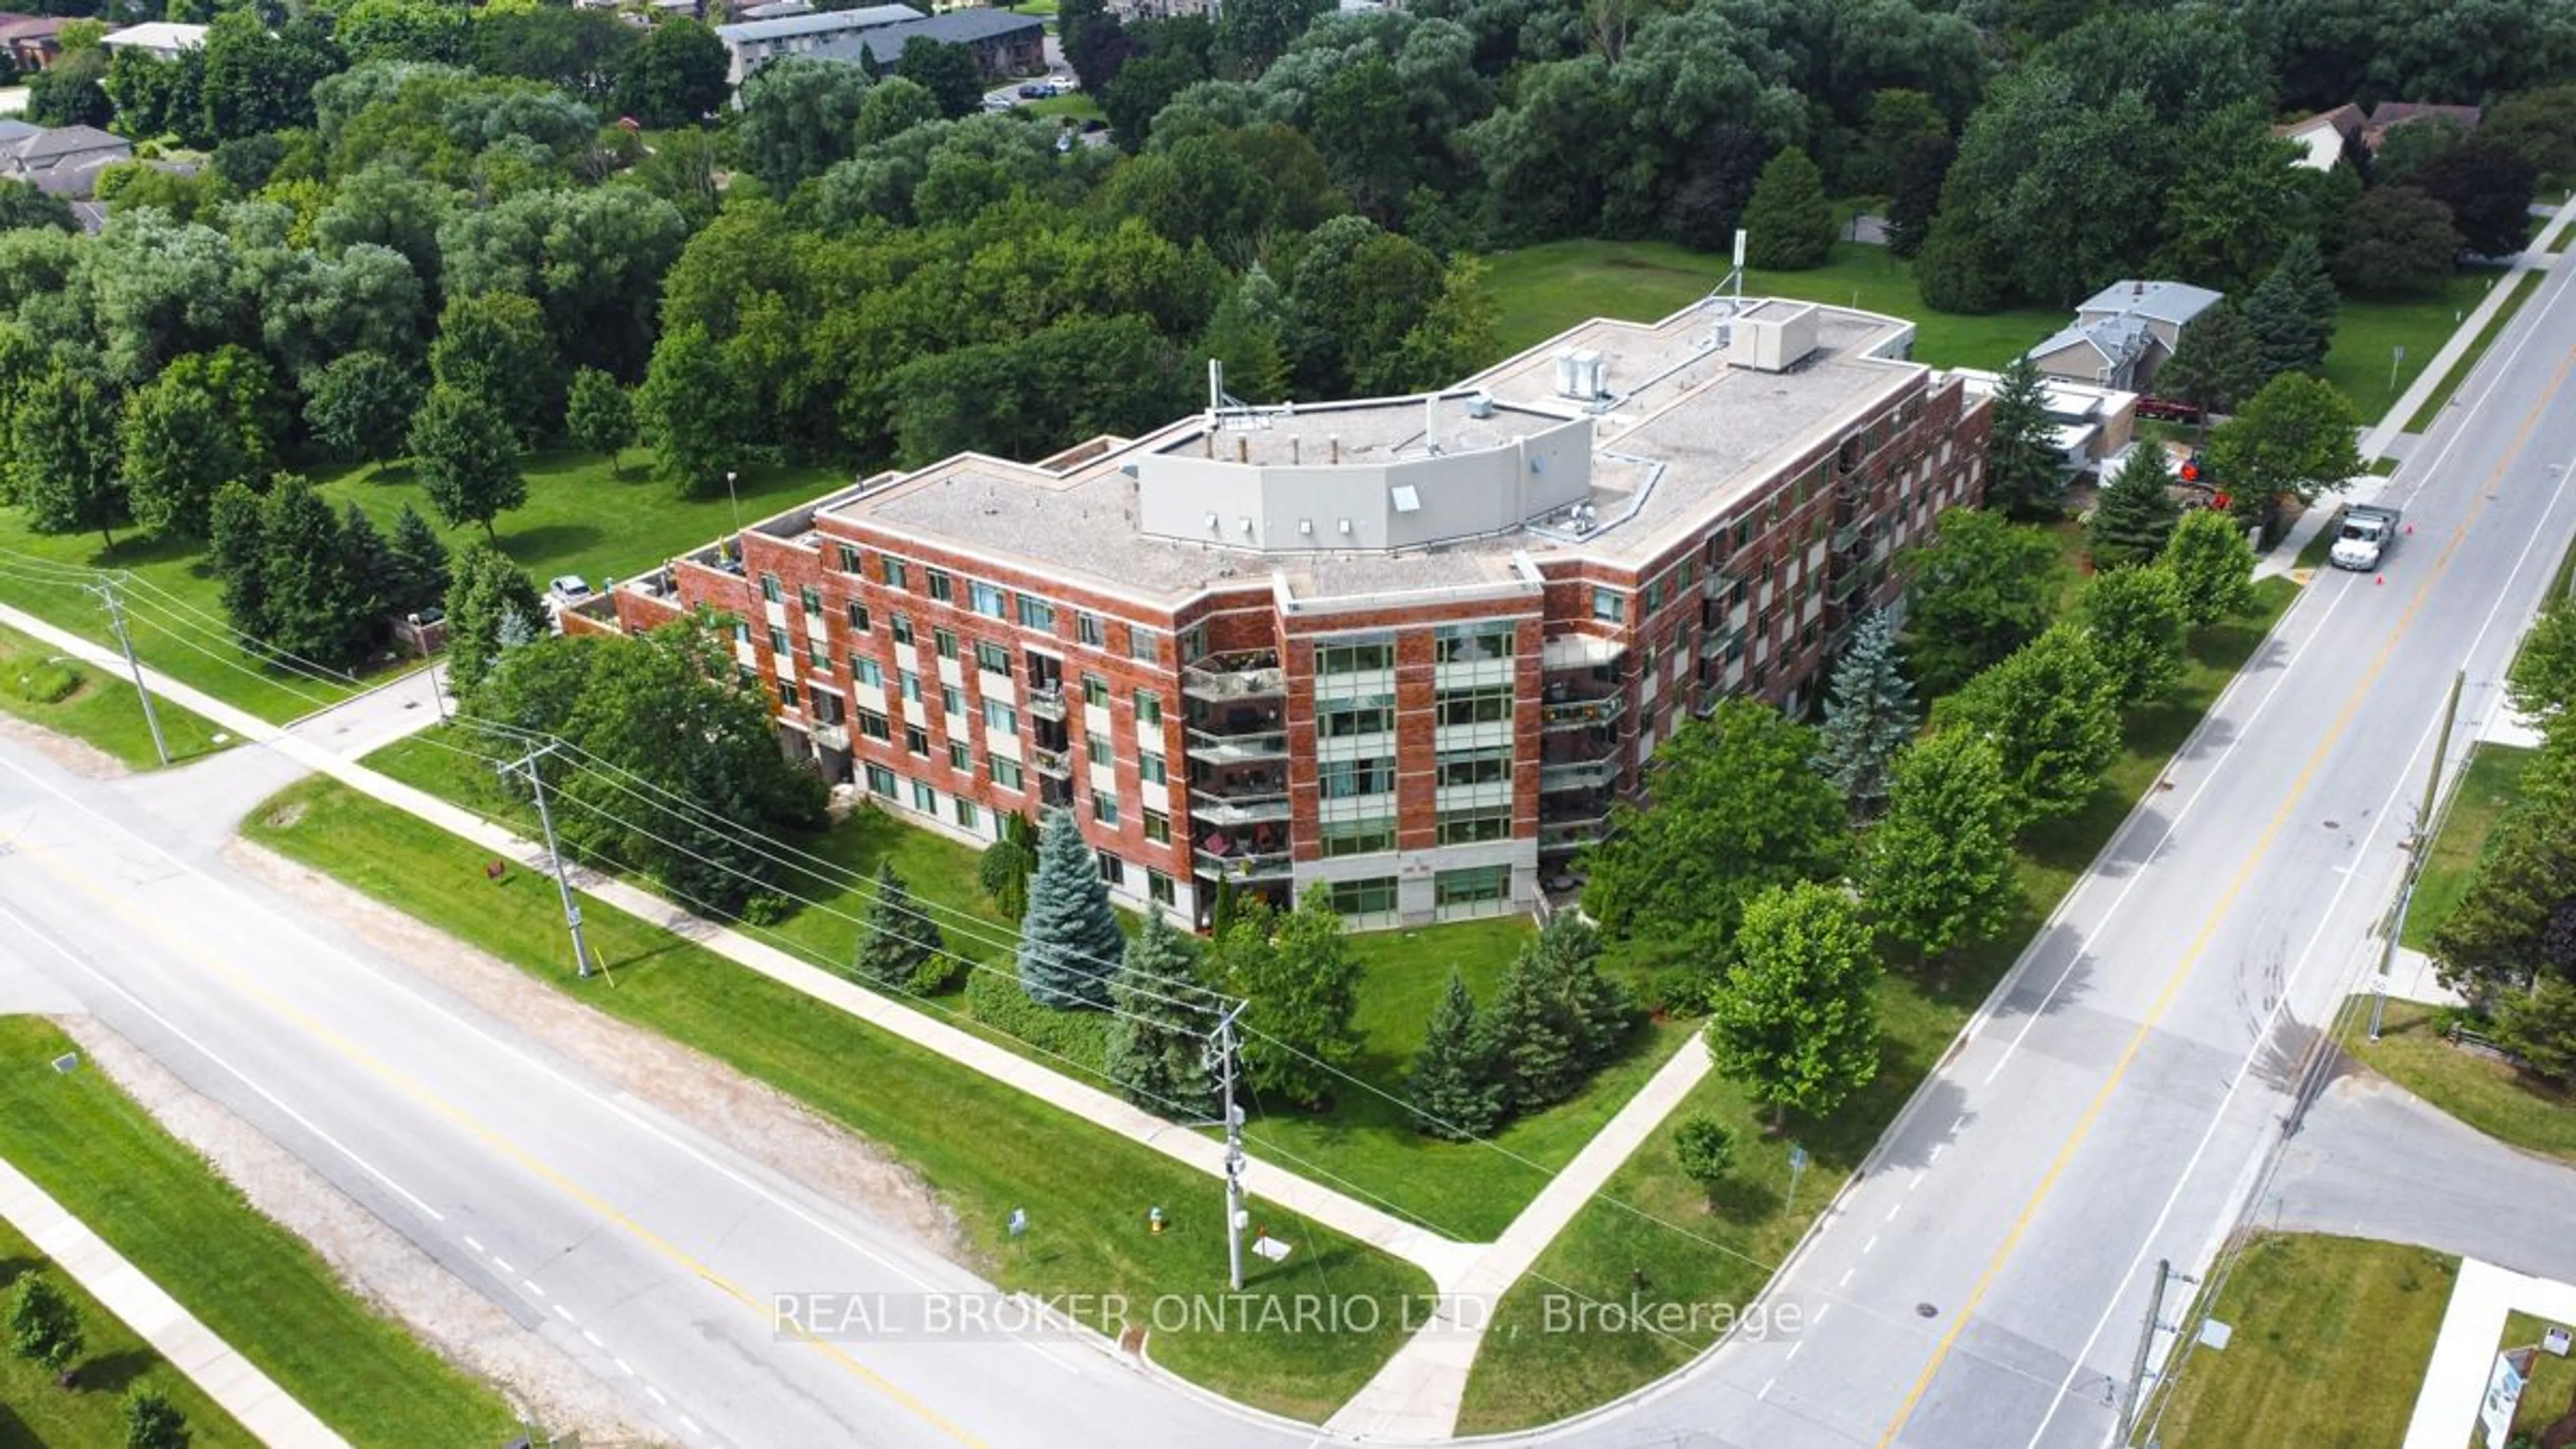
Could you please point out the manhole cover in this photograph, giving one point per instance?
(2334, 825)
(1926, 1310)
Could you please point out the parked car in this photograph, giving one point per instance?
(567, 588)
(1035, 91)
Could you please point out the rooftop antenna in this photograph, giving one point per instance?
(1216, 387)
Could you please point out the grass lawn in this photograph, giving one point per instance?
(258, 1286)
(2477, 1089)
(1543, 290)
(2367, 333)
(2550, 1393)
(114, 1362)
(1651, 1217)
(986, 1148)
(1079, 105)
(100, 706)
(2518, 294)
(2492, 780)
(2331, 1339)
(578, 520)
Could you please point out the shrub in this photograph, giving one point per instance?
(1705, 1150)
(51, 682)
(1080, 1038)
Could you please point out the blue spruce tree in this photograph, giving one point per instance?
(1869, 716)
(1069, 939)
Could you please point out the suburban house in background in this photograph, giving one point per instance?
(160, 39)
(32, 40)
(2123, 333)
(752, 42)
(2328, 136)
(59, 161)
(1003, 44)
(2094, 424)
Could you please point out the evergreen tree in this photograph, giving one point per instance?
(1704, 1150)
(900, 946)
(599, 416)
(2135, 513)
(370, 561)
(1534, 1059)
(1596, 1010)
(1452, 1088)
(1069, 940)
(1796, 1021)
(1939, 871)
(2217, 365)
(1916, 192)
(487, 589)
(1003, 869)
(2292, 312)
(2539, 1027)
(1157, 1051)
(467, 458)
(153, 1422)
(1869, 715)
(2136, 621)
(2212, 566)
(239, 550)
(316, 604)
(44, 1327)
(1788, 223)
(419, 562)
(2024, 470)
(1302, 992)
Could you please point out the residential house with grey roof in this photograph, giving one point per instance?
(753, 43)
(2123, 334)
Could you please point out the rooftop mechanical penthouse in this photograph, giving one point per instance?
(1413, 648)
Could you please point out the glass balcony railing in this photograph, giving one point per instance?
(1046, 701)
(1578, 712)
(1221, 678)
(1058, 763)
(834, 736)
(1577, 774)
(1241, 864)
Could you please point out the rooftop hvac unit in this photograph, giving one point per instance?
(1480, 405)
(1581, 375)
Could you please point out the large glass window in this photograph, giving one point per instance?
(897, 574)
(942, 587)
(943, 642)
(1358, 837)
(873, 725)
(1004, 770)
(992, 658)
(881, 781)
(1001, 717)
(1483, 705)
(1037, 614)
(1372, 897)
(1343, 718)
(1465, 827)
(987, 600)
(769, 588)
(1345, 779)
(811, 597)
(1150, 768)
(1472, 643)
(1473, 885)
(1353, 658)
(1476, 767)
(1609, 605)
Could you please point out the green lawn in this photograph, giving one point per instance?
(985, 1148)
(2492, 780)
(2477, 1089)
(114, 1361)
(100, 707)
(1079, 105)
(2450, 384)
(2366, 334)
(1543, 290)
(2550, 1393)
(1723, 1253)
(578, 520)
(258, 1286)
(2331, 1338)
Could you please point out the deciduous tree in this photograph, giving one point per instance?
(2489, 189)
(2136, 621)
(599, 416)
(2294, 439)
(467, 458)
(204, 422)
(2212, 567)
(1982, 588)
(675, 77)
(1940, 870)
(44, 1327)
(153, 1422)
(64, 458)
(2053, 712)
(360, 405)
(2542, 681)
(1704, 1150)
(2398, 242)
(1302, 993)
(1069, 940)
(1796, 1019)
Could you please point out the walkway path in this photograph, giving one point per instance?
(1443, 1258)
(174, 1333)
(2380, 440)
(1416, 1394)
(2455, 1382)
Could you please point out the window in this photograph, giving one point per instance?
(1474, 885)
(1465, 827)
(1001, 717)
(818, 657)
(967, 814)
(1095, 691)
(1005, 771)
(1086, 627)
(1113, 870)
(952, 700)
(1158, 887)
(847, 556)
(881, 781)
(873, 725)
(1475, 706)
(1149, 710)
(769, 588)
(1372, 897)
(746, 676)
(1141, 643)
(1359, 837)
(911, 685)
(1472, 643)
(859, 617)
(1476, 767)
(827, 707)
(1608, 606)
(1037, 614)
(1347, 779)
(1097, 748)
(960, 758)
(1150, 768)
(741, 632)
(900, 627)
(1352, 658)
(1654, 596)
(897, 576)
(1340, 719)
(987, 600)
(942, 587)
(924, 799)
(1104, 807)
(811, 597)
(1158, 827)
(777, 640)
(943, 642)
(992, 658)
(917, 740)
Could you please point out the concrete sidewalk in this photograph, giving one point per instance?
(174, 1333)
(2381, 439)
(1445, 1259)
(1416, 1394)
(2455, 1381)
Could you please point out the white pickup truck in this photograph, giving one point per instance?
(2367, 532)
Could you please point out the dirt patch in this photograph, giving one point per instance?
(372, 1260)
(285, 817)
(78, 756)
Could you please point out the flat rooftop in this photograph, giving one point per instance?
(1681, 434)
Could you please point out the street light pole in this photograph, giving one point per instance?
(420, 641)
(736, 501)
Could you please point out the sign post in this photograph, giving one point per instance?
(1797, 1168)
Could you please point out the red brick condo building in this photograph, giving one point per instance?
(1412, 648)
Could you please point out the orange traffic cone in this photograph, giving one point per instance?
(2379, 578)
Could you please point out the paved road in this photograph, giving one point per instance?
(2373, 1160)
(1982, 1284)
(645, 1249)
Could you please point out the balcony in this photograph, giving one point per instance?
(1058, 763)
(1577, 774)
(1225, 678)
(1717, 584)
(1046, 701)
(1576, 712)
(1253, 798)
(1254, 747)
(831, 736)
(1722, 641)
(1851, 586)
(1851, 537)
(1243, 865)
(1562, 837)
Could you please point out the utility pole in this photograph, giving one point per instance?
(527, 765)
(429, 666)
(2146, 1342)
(1233, 1147)
(2418, 846)
(106, 589)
